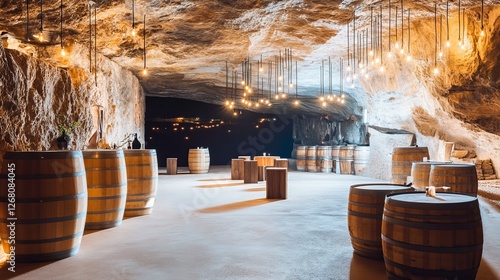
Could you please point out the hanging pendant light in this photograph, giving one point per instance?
(63, 52)
(440, 54)
(436, 70)
(448, 44)
(396, 45)
(389, 53)
(459, 25)
(482, 19)
(408, 55)
(27, 20)
(40, 34)
(134, 31)
(463, 29)
(402, 50)
(145, 70)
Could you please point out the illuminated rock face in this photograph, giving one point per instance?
(188, 43)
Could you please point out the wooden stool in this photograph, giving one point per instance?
(250, 172)
(262, 173)
(281, 162)
(237, 169)
(276, 183)
(171, 166)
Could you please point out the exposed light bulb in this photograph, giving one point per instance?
(261, 69)
(371, 53)
(269, 104)
(134, 32)
(321, 98)
(352, 85)
(249, 90)
(367, 76)
(283, 95)
(145, 71)
(482, 33)
(355, 76)
(408, 57)
(267, 101)
(63, 52)
(261, 100)
(401, 51)
(227, 103)
(343, 95)
(296, 103)
(324, 104)
(246, 87)
(277, 97)
(231, 106)
(389, 55)
(40, 37)
(280, 78)
(361, 65)
(377, 60)
(382, 68)
(243, 83)
(436, 71)
(440, 54)
(257, 105)
(343, 101)
(280, 88)
(448, 44)
(396, 45)
(462, 46)
(348, 68)
(459, 43)
(290, 85)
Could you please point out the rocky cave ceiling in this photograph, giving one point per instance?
(189, 42)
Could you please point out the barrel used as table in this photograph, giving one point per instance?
(364, 216)
(420, 171)
(50, 204)
(311, 159)
(461, 178)
(402, 159)
(199, 161)
(106, 187)
(265, 160)
(301, 158)
(142, 181)
(432, 237)
(361, 157)
(346, 158)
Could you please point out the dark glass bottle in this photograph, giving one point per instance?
(136, 144)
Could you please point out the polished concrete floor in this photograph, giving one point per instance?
(209, 227)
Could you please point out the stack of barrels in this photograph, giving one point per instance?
(388, 220)
(58, 194)
(348, 159)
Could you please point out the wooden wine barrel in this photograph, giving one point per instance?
(461, 178)
(142, 181)
(311, 159)
(364, 216)
(361, 157)
(50, 204)
(346, 159)
(106, 186)
(198, 161)
(402, 159)
(326, 166)
(420, 171)
(428, 238)
(322, 153)
(336, 158)
(301, 158)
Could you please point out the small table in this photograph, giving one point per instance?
(237, 168)
(265, 160)
(276, 184)
(250, 172)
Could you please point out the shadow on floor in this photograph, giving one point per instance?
(366, 268)
(217, 179)
(219, 185)
(255, 189)
(20, 268)
(486, 272)
(236, 205)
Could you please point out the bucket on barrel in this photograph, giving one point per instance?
(311, 159)
(420, 171)
(346, 158)
(364, 216)
(50, 203)
(361, 157)
(461, 178)
(107, 187)
(402, 160)
(301, 158)
(142, 181)
(432, 237)
(198, 161)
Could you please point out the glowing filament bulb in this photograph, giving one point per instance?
(227, 103)
(371, 53)
(296, 103)
(280, 78)
(382, 68)
(243, 83)
(348, 68)
(290, 85)
(389, 55)
(448, 44)
(145, 71)
(482, 33)
(396, 45)
(377, 60)
(277, 97)
(63, 52)
(283, 95)
(321, 98)
(324, 104)
(440, 54)
(257, 105)
(408, 57)
(436, 71)
(134, 32)
(401, 51)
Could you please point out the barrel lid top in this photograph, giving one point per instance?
(440, 198)
(431, 162)
(382, 187)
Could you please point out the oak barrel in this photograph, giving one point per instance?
(50, 204)
(420, 171)
(361, 157)
(198, 161)
(432, 237)
(142, 181)
(323, 153)
(346, 159)
(311, 159)
(335, 158)
(301, 158)
(326, 166)
(461, 178)
(106, 187)
(402, 159)
(364, 216)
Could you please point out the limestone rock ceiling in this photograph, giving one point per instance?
(188, 42)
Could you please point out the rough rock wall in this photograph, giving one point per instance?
(454, 106)
(36, 97)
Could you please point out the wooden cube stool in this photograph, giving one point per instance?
(237, 169)
(276, 184)
(250, 172)
(171, 166)
(281, 162)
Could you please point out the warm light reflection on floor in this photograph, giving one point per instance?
(236, 205)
